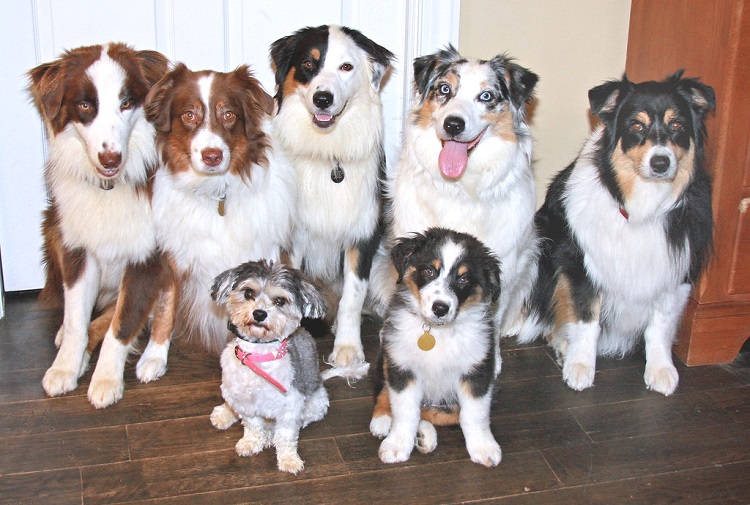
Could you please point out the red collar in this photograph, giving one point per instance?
(250, 360)
(624, 213)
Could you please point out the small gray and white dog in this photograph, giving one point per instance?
(270, 373)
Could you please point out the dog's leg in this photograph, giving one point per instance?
(222, 417)
(285, 438)
(256, 436)
(99, 326)
(316, 407)
(380, 424)
(153, 362)
(397, 446)
(475, 424)
(138, 293)
(579, 363)
(347, 346)
(81, 289)
(661, 375)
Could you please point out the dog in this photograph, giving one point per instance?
(439, 351)
(466, 165)
(329, 123)
(270, 373)
(627, 229)
(99, 239)
(224, 195)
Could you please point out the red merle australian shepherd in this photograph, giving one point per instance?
(626, 231)
(329, 123)
(99, 236)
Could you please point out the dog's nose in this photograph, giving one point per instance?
(260, 315)
(440, 309)
(659, 164)
(212, 156)
(110, 159)
(454, 125)
(323, 99)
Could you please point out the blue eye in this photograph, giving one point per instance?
(485, 96)
(444, 89)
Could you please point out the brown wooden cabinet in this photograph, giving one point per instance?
(710, 39)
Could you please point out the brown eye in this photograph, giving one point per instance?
(189, 117)
(84, 107)
(637, 127)
(307, 65)
(429, 272)
(249, 294)
(126, 104)
(279, 301)
(676, 126)
(463, 280)
(229, 116)
(347, 67)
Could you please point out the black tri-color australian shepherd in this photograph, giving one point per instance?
(330, 126)
(626, 230)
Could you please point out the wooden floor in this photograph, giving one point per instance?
(613, 444)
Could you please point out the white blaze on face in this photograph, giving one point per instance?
(209, 153)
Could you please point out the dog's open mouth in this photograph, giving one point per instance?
(455, 156)
(324, 121)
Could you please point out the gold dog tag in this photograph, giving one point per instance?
(221, 207)
(426, 341)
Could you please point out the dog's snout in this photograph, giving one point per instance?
(440, 309)
(212, 156)
(110, 159)
(260, 315)
(454, 125)
(323, 99)
(660, 164)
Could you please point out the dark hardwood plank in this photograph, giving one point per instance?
(61, 487)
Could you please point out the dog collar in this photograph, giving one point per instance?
(624, 213)
(251, 361)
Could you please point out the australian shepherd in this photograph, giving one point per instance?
(439, 349)
(99, 235)
(466, 165)
(223, 196)
(330, 125)
(626, 231)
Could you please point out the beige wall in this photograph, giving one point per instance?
(572, 45)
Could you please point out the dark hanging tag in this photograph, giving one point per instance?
(337, 174)
(106, 184)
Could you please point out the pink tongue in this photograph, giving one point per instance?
(453, 158)
(323, 118)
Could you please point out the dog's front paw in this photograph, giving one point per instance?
(222, 417)
(250, 445)
(426, 437)
(58, 381)
(485, 452)
(345, 356)
(395, 448)
(290, 463)
(662, 379)
(59, 337)
(578, 376)
(105, 391)
(380, 426)
(153, 362)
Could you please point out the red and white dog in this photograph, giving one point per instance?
(224, 196)
(99, 235)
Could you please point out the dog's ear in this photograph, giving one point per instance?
(47, 88)
(153, 65)
(282, 53)
(521, 81)
(604, 98)
(158, 104)
(403, 250)
(701, 97)
(426, 68)
(222, 285)
(314, 303)
(492, 269)
(379, 57)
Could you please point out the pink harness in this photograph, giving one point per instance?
(250, 360)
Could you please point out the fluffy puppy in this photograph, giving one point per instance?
(224, 195)
(270, 373)
(626, 231)
(439, 347)
(99, 239)
(466, 165)
(330, 125)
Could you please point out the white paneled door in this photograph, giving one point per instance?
(204, 34)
